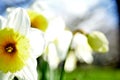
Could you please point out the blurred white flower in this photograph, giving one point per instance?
(57, 38)
(83, 51)
(58, 49)
(53, 59)
(62, 43)
(71, 62)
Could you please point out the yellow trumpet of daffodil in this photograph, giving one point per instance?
(11, 50)
(38, 20)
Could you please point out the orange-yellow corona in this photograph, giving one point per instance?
(38, 20)
(14, 50)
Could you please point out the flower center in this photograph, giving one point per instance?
(10, 48)
(14, 50)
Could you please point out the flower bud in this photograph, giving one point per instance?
(71, 62)
(98, 41)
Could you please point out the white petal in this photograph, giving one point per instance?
(55, 27)
(82, 48)
(42, 7)
(6, 76)
(2, 22)
(37, 42)
(19, 20)
(53, 58)
(70, 63)
(63, 43)
(84, 55)
(29, 72)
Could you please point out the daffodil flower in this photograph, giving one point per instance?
(63, 42)
(58, 39)
(59, 48)
(51, 23)
(20, 45)
(83, 51)
(57, 33)
(80, 50)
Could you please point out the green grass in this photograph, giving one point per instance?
(93, 73)
(83, 72)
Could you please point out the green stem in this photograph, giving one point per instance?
(42, 67)
(51, 74)
(63, 64)
(62, 70)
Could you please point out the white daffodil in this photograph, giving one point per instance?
(52, 26)
(62, 43)
(58, 39)
(83, 51)
(51, 23)
(20, 45)
(57, 50)
(61, 39)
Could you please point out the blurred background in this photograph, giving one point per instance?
(102, 15)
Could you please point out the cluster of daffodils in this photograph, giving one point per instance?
(83, 45)
(25, 34)
(63, 44)
(57, 38)
(20, 45)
